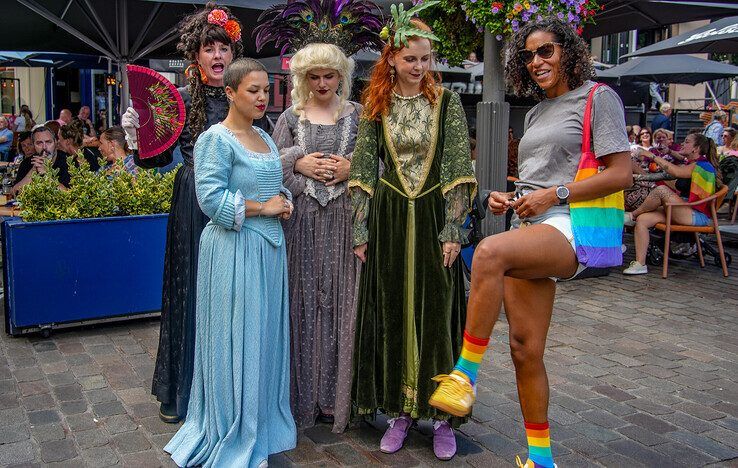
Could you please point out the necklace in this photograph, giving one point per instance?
(407, 98)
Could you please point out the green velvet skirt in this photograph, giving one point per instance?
(411, 309)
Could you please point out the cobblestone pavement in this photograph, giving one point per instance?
(643, 373)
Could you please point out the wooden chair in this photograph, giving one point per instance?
(714, 202)
(735, 207)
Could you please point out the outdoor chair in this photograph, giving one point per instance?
(735, 207)
(714, 202)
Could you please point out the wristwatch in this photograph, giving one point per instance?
(563, 194)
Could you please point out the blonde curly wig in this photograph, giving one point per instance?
(312, 57)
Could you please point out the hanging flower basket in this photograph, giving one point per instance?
(460, 24)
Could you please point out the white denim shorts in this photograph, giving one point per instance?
(559, 218)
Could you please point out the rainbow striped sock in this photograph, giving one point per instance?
(472, 350)
(539, 444)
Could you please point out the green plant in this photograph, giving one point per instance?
(460, 24)
(90, 195)
(108, 192)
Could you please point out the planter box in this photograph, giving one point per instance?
(78, 271)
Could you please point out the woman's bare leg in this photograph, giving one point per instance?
(528, 308)
(537, 251)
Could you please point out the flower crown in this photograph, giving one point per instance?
(220, 18)
(399, 27)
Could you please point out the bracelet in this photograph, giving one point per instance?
(261, 207)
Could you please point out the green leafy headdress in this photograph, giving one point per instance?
(399, 28)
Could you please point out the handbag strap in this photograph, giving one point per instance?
(587, 124)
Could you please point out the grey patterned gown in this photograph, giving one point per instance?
(322, 270)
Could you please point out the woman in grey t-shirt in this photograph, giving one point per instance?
(546, 60)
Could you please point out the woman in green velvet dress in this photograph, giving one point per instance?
(411, 186)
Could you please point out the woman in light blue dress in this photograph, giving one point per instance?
(239, 409)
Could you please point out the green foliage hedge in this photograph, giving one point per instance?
(112, 192)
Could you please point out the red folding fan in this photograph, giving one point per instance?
(160, 108)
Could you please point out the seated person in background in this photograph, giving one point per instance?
(54, 126)
(664, 146)
(113, 148)
(65, 117)
(663, 120)
(728, 138)
(6, 138)
(88, 128)
(631, 135)
(101, 123)
(715, 129)
(71, 139)
(44, 143)
(24, 148)
(644, 139)
(696, 180)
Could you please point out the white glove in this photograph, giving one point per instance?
(129, 122)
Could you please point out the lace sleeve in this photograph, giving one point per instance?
(360, 202)
(457, 207)
(458, 183)
(289, 153)
(365, 158)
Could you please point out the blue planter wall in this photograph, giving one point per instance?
(61, 272)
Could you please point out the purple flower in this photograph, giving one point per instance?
(480, 29)
(515, 24)
(539, 18)
(533, 9)
(560, 16)
(572, 18)
(474, 1)
(550, 7)
(498, 37)
(495, 10)
(525, 16)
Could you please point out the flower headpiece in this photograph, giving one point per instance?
(399, 28)
(351, 25)
(220, 18)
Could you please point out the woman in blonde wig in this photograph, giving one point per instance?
(316, 138)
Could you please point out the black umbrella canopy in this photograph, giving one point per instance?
(123, 30)
(625, 15)
(718, 37)
(680, 69)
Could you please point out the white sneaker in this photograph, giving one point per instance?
(635, 268)
(628, 219)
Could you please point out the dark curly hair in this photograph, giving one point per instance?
(575, 60)
(196, 32)
(74, 131)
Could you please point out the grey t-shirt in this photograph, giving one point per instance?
(549, 152)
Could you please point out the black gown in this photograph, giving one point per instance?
(174, 359)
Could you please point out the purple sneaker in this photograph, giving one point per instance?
(444, 441)
(395, 434)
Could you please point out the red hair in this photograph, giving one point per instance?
(377, 95)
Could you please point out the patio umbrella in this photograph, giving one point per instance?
(124, 31)
(681, 69)
(718, 37)
(626, 15)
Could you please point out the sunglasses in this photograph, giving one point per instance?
(545, 51)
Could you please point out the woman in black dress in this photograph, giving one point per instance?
(210, 40)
